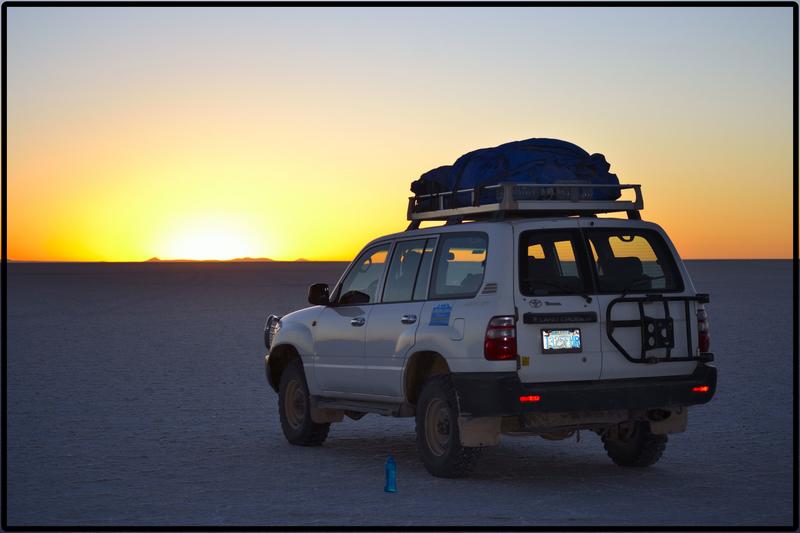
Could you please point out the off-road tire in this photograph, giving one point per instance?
(446, 457)
(295, 411)
(639, 448)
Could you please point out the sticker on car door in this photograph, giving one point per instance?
(440, 315)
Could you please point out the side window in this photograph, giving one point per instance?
(632, 260)
(460, 262)
(403, 269)
(421, 288)
(361, 283)
(548, 263)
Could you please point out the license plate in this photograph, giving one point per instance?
(561, 340)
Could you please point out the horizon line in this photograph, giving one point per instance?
(265, 260)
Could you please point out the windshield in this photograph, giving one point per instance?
(632, 261)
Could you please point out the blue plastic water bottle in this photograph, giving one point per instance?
(391, 475)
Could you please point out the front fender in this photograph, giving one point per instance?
(296, 332)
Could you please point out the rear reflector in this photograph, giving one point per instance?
(702, 388)
(532, 398)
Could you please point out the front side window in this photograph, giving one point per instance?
(627, 260)
(361, 283)
(548, 264)
(405, 271)
(460, 262)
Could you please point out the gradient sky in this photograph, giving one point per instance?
(295, 132)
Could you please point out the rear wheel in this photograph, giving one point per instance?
(438, 439)
(295, 408)
(633, 444)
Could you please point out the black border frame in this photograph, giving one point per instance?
(403, 3)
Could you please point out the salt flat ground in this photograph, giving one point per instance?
(137, 397)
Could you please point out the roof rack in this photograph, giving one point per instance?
(520, 200)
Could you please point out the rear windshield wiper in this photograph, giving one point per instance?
(637, 281)
(568, 290)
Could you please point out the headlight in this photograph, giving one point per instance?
(271, 329)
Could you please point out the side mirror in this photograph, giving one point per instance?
(319, 294)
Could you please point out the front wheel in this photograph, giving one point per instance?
(295, 408)
(438, 438)
(633, 444)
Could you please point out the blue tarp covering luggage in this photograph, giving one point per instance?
(543, 161)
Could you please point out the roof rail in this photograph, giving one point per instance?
(521, 200)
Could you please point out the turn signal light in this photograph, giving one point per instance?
(702, 388)
(528, 399)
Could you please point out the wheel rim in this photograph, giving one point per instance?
(437, 426)
(295, 400)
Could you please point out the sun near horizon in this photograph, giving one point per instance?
(284, 133)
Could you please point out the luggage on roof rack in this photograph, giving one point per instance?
(532, 161)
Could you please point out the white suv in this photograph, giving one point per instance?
(536, 318)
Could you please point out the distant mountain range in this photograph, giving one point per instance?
(237, 260)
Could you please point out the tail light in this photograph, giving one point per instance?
(703, 333)
(500, 343)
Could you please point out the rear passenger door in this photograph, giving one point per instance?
(392, 325)
(452, 314)
(558, 330)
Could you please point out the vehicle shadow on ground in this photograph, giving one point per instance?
(511, 462)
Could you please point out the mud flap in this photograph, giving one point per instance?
(675, 423)
(478, 432)
(324, 416)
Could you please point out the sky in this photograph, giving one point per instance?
(214, 133)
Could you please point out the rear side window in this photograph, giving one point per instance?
(407, 277)
(549, 264)
(632, 261)
(459, 266)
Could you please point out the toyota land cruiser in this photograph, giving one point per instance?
(529, 315)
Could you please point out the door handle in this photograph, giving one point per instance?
(358, 321)
(408, 319)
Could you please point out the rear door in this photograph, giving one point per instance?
(392, 325)
(635, 261)
(558, 331)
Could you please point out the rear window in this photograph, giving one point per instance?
(633, 261)
(548, 264)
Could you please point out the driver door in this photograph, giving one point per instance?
(340, 330)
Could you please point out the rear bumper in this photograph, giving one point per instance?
(498, 394)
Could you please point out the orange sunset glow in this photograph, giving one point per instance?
(216, 133)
